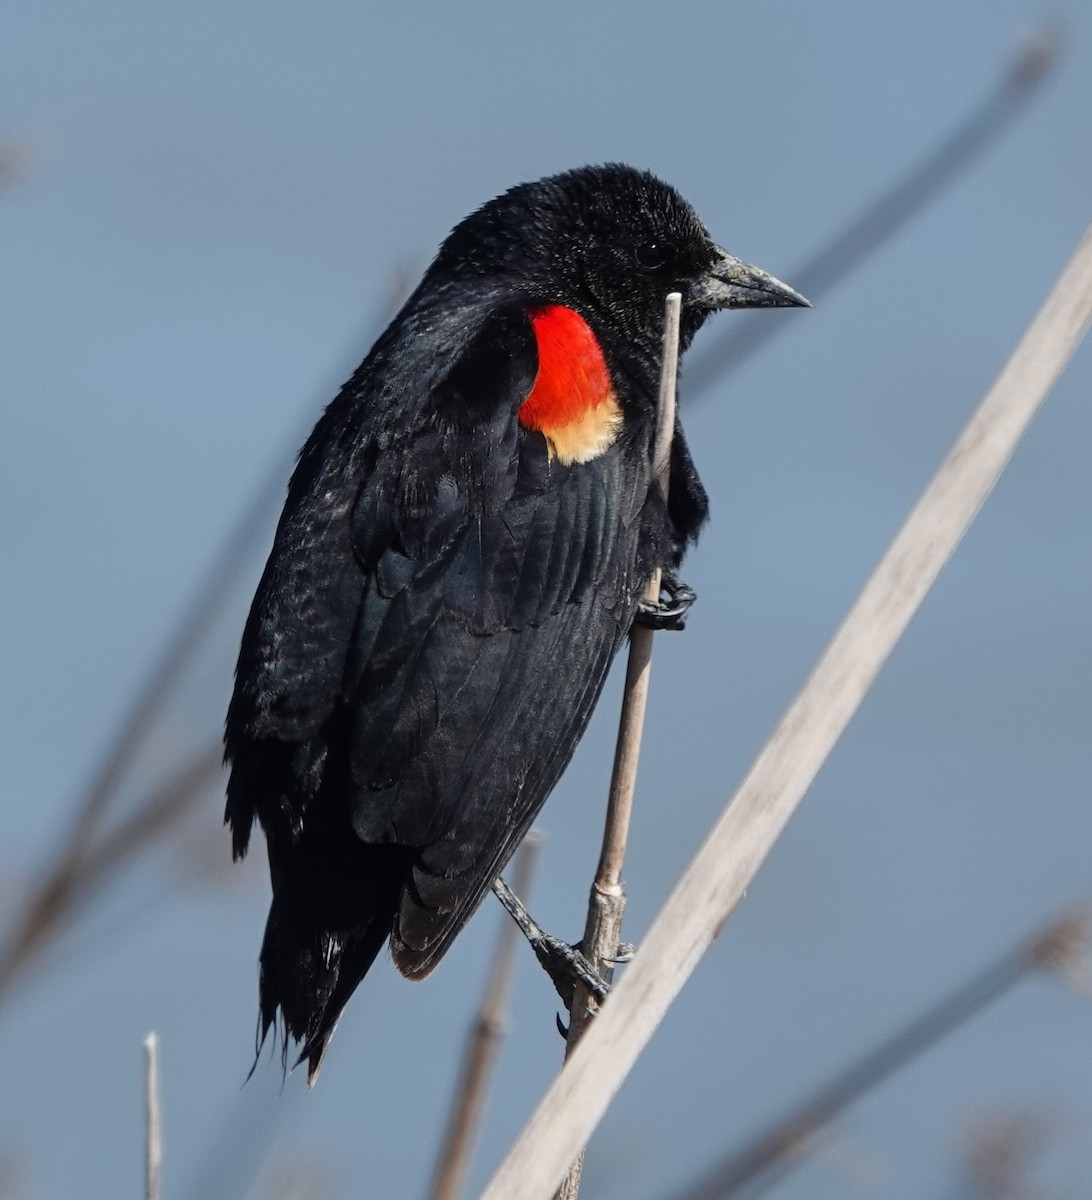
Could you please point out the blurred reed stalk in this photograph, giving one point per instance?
(716, 879)
(82, 866)
(999, 1150)
(153, 1119)
(483, 1045)
(16, 160)
(884, 216)
(766, 1159)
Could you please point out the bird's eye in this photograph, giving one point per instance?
(650, 256)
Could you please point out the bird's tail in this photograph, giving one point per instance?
(326, 925)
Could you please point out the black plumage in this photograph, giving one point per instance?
(448, 586)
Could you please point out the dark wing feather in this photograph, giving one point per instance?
(490, 700)
(520, 750)
(369, 503)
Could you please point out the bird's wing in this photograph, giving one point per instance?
(449, 632)
(478, 684)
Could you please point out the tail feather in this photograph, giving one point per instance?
(307, 978)
(328, 921)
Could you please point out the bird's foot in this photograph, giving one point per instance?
(566, 965)
(598, 987)
(669, 612)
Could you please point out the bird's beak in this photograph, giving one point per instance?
(730, 283)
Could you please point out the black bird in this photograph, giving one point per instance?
(465, 541)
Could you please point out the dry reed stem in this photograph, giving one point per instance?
(624, 776)
(483, 1045)
(607, 901)
(714, 882)
(767, 1158)
(153, 1119)
(64, 890)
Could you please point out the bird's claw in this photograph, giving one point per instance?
(563, 1029)
(669, 613)
(571, 966)
(566, 967)
(624, 954)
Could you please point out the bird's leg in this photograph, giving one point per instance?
(565, 964)
(671, 611)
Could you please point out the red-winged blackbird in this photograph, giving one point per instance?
(464, 545)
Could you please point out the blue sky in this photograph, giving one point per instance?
(217, 204)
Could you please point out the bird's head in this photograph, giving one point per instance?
(611, 242)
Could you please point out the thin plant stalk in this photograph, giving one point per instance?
(889, 212)
(483, 1046)
(713, 884)
(65, 889)
(767, 1158)
(153, 1119)
(607, 902)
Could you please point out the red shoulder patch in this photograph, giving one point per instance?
(572, 372)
